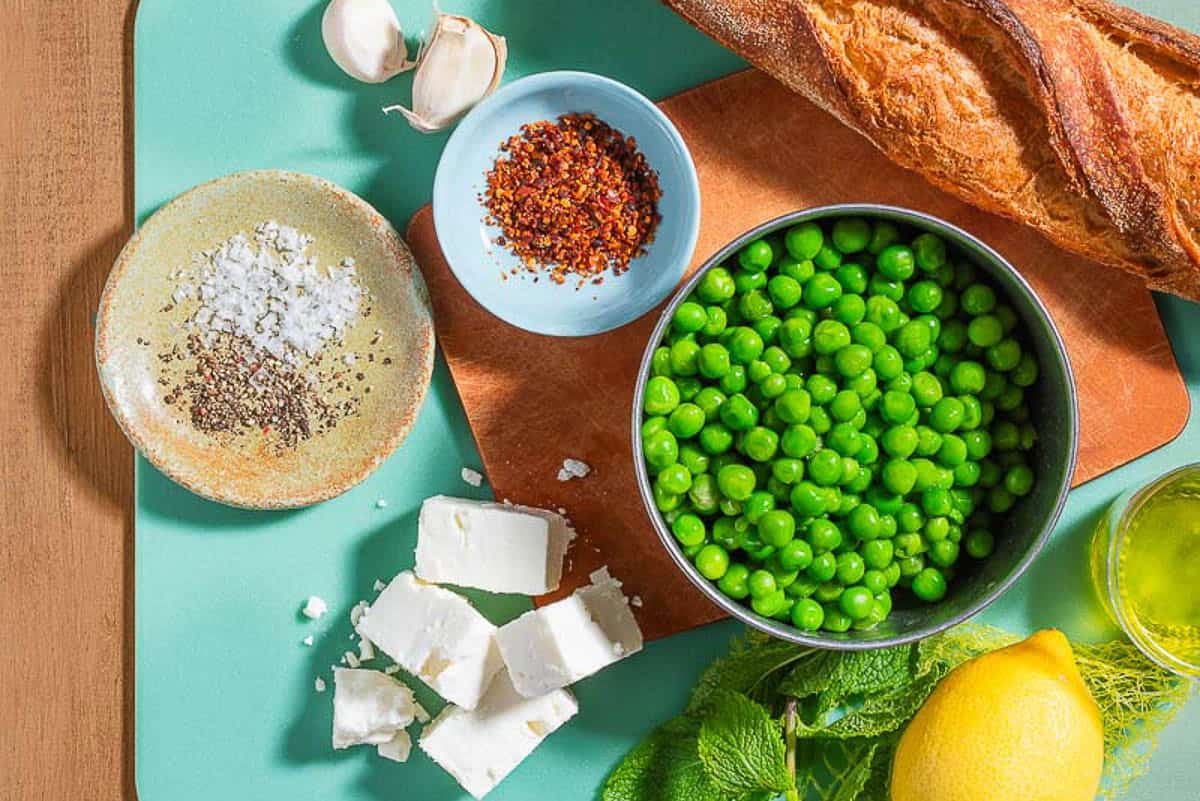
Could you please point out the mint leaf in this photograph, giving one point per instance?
(837, 677)
(753, 668)
(741, 747)
(874, 714)
(664, 766)
(850, 770)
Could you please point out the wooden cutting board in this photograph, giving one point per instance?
(760, 151)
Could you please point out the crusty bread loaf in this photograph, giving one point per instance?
(1077, 117)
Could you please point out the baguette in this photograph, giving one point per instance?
(1077, 117)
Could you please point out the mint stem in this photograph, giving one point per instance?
(789, 741)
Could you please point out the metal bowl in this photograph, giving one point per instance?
(1028, 524)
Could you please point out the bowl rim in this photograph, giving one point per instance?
(690, 187)
(785, 631)
(218, 491)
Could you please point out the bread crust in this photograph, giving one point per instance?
(1079, 118)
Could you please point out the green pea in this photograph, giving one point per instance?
(856, 602)
(828, 258)
(1000, 500)
(745, 345)
(888, 363)
(675, 479)
(716, 286)
(666, 501)
(853, 277)
(1025, 373)
(804, 241)
(661, 449)
(709, 399)
(777, 527)
(883, 233)
(821, 291)
(715, 321)
(985, 331)
(899, 476)
(735, 380)
(823, 535)
(979, 543)
(925, 296)
(880, 286)
(793, 406)
(930, 252)
(798, 441)
(953, 337)
(714, 438)
(946, 415)
(760, 443)
(761, 583)
(756, 256)
(926, 389)
(795, 337)
(712, 561)
(807, 615)
(689, 317)
(830, 336)
(1004, 355)
(825, 467)
(913, 339)
(1019, 480)
(704, 494)
(967, 474)
(978, 299)
(929, 585)
(799, 269)
(689, 529)
(808, 499)
(883, 312)
(822, 389)
(755, 305)
(686, 420)
(896, 407)
(653, 425)
(776, 359)
(896, 262)
(713, 361)
(851, 234)
(661, 396)
(849, 309)
(785, 291)
(864, 522)
(735, 582)
(845, 405)
(795, 554)
(1006, 436)
(738, 413)
(768, 328)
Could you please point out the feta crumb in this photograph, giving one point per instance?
(356, 613)
(319, 684)
(381, 503)
(308, 640)
(573, 468)
(378, 586)
(562, 511)
(420, 713)
(636, 601)
(366, 651)
(369, 708)
(392, 670)
(314, 607)
(472, 477)
(350, 658)
(396, 749)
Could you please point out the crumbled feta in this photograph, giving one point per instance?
(480, 748)
(436, 635)
(381, 503)
(350, 658)
(396, 749)
(472, 477)
(568, 640)
(392, 670)
(378, 585)
(308, 640)
(422, 715)
(356, 612)
(319, 684)
(573, 468)
(314, 607)
(636, 601)
(369, 707)
(490, 546)
(366, 651)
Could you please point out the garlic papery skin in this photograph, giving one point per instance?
(363, 37)
(459, 65)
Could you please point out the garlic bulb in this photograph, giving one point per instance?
(363, 37)
(459, 65)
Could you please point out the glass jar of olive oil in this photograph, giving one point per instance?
(1146, 567)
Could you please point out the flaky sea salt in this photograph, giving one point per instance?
(269, 291)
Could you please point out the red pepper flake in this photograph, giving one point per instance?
(573, 197)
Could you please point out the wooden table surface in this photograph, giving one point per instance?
(66, 552)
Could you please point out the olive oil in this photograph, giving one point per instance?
(1146, 558)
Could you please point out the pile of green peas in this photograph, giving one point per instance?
(836, 415)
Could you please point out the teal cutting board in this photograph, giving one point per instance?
(225, 705)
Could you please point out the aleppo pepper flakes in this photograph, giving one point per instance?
(573, 197)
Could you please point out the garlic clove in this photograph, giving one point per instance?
(363, 37)
(460, 64)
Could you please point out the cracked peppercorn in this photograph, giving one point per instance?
(574, 197)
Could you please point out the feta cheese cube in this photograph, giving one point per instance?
(568, 640)
(491, 546)
(480, 747)
(369, 707)
(396, 749)
(314, 607)
(435, 635)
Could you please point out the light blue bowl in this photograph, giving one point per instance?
(543, 306)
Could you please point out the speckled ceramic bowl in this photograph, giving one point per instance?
(136, 322)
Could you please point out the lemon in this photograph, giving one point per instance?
(1017, 723)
